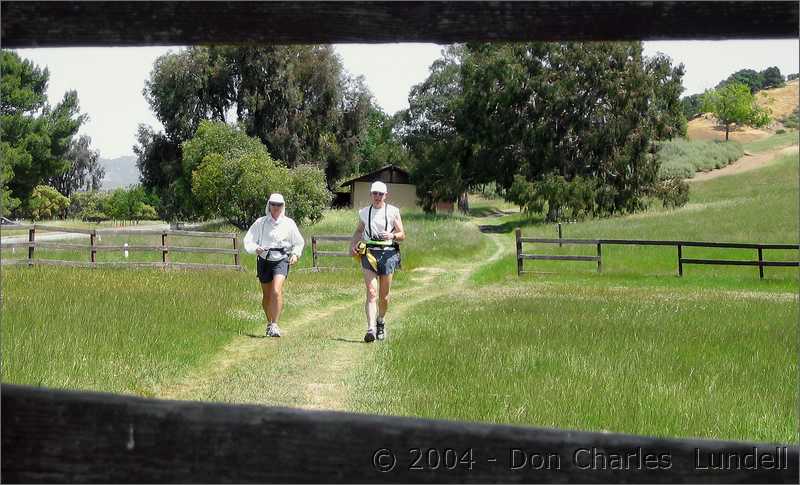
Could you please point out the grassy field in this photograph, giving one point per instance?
(791, 137)
(634, 349)
(759, 206)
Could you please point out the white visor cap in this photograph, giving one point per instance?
(276, 199)
(378, 187)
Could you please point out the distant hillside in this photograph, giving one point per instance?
(781, 101)
(120, 172)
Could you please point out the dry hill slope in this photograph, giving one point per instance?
(781, 101)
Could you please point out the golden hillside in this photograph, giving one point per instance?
(781, 101)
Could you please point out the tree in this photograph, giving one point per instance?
(46, 203)
(34, 137)
(84, 172)
(233, 175)
(732, 104)
(431, 132)
(296, 100)
(692, 106)
(585, 112)
(751, 78)
(772, 77)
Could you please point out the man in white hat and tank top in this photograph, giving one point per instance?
(379, 229)
(278, 244)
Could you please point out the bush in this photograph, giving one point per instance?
(791, 121)
(47, 203)
(682, 158)
(235, 175)
(673, 192)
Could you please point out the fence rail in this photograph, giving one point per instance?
(66, 436)
(760, 247)
(315, 254)
(164, 248)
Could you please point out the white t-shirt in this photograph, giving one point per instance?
(377, 221)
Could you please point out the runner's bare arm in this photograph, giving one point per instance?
(356, 237)
(399, 232)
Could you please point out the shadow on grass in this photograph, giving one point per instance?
(252, 335)
(348, 340)
(512, 223)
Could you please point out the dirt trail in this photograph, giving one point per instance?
(328, 391)
(322, 358)
(744, 164)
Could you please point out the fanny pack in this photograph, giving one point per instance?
(281, 251)
(382, 246)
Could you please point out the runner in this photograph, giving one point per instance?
(375, 239)
(278, 244)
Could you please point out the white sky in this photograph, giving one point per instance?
(110, 80)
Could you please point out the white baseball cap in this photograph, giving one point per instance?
(378, 187)
(276, 199)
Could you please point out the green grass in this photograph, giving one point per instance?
(773, 142)
(758, 206)
(132, 330)
(682, 158)
(634, 349)
(671, 364)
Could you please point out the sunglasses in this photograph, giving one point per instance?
(378, 193)
(273, 204)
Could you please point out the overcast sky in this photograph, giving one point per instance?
(109, 80)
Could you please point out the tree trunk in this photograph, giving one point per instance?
(727, 130)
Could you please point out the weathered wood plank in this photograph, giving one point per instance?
(333, 253)
(734, 262)
(83, 23)
(76, 230)
(558, 258)
(181, 249)
(24, 244)
(332, 238)
(60, 436)
(558, 241)
(218, 235)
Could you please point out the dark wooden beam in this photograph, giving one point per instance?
(60, 436)
(56, 24)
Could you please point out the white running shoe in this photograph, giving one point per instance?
(273, 330)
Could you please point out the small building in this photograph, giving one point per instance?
(402, 193)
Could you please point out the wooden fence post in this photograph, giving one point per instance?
(164, 249)
(680, 261)
(93, 251)
(760, 263)
(314, 253)
(599, 260)
(559, 234)
(31, 239)
(519, 250)
(235, 255)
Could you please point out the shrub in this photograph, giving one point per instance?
(673, 192)
(682, 158)
(47, 203)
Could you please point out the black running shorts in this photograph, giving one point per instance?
(267, 270)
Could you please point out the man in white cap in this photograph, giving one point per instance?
(379, 229)
(278, 244)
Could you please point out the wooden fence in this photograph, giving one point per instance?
(93, 248)
(315, 254)
(64, 436)
(598, 258)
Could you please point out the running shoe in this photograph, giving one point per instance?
(370, 336)
(381, 334)
(273, 330)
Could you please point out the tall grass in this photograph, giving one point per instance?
(677, 363)
(682, 158)
(131, 330)
(773, 142)
(758, 206)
